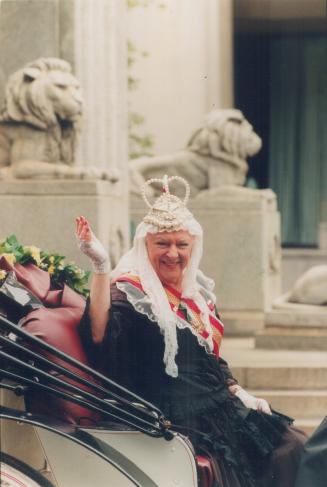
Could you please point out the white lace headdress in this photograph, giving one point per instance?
(168, 214)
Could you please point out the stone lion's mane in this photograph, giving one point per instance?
(26, 101)
(225, 133)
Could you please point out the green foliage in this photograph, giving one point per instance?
(11, 246)
(74, 277)
(139, 145)
(60, 272)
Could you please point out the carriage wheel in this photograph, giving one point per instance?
(14, 473)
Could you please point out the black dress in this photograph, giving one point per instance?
(198, 402)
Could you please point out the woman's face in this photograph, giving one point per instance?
(169, 254)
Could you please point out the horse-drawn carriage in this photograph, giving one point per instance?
(63, 423)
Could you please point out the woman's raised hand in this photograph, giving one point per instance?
(91, 246)
(83, 229)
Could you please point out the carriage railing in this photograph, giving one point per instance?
(25, 364)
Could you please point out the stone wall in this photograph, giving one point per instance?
(188, 70)
(28, 29)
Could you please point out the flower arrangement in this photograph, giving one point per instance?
(3, 275)
(60, 272)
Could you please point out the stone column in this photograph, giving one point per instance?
(100, 65)
(225, 53)
(100, 60)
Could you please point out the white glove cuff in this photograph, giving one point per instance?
(235, 389)
(97, 254)
(101, 267)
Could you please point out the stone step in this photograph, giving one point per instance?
(294, 327)
(277, 338)
(296, 403)
(308, 425)
(297, 316)
(293, 381)
(277, 377)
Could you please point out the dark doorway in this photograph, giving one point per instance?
(280, 84)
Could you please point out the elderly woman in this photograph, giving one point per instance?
(152, 326)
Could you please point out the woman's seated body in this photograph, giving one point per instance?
(152, 326)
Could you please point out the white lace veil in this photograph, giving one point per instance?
(137, 262)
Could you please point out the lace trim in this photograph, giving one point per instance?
(137, 299)
(142, 304)
(206, 343)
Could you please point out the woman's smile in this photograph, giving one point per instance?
(169, 254)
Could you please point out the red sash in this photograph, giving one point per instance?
(187, 310)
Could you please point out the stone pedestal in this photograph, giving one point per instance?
(323, 235)
(301, 327)
(43, 213)
(241, 252)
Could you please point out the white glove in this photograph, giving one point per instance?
(252, 402)
(91, 246)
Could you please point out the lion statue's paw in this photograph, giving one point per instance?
(86, 173)
(45, 170)
(309, 289)
(93, 172)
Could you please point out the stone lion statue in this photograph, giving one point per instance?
(309, 289)
(214, 156)
(40, 123)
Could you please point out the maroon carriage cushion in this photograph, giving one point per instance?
(57, 325)
(205, 471)
(35, 279)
